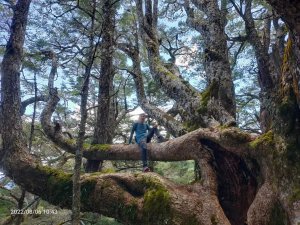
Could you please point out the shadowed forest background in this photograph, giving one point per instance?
(220, 77)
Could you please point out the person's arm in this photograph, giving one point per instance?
(131, 133)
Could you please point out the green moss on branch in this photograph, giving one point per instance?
(130, 211)
(265, 140)
(90, 147)
(59, 187)
(100, 147)
(71, 141)
(157, 200)
(205, 96)
(234, 136)
(191, 126)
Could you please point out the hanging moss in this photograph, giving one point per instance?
(206, 95)
(128, 212)
(157, 206)
(210, 91)
(287, 54)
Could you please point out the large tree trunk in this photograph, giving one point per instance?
(220, 89)
(198, 108)
(105, 123)
(170, 123)
(289, 12)
(10, 79)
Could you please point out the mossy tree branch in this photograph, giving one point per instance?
(184, 147)
(111, 195)
(221, 102)
(131, 198)
(168, 121)
(182, 92)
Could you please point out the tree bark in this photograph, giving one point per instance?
(175, 87)
(168, 121)
(289, 12)
(216, 64)
(80, 139)
(105, 123)
(10, 82)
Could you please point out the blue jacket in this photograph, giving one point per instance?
(140, 129)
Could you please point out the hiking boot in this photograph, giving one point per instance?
(146, 169)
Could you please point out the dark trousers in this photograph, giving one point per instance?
(143, 144)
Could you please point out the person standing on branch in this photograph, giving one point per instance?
(143, 135)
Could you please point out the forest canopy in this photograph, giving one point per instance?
(219, 77)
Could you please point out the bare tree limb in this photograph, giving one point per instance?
(30, 101)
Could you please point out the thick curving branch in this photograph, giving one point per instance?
(29, 101)
(127, 197)
(131, 198)
(174, 86)
(112, 152)
(168, 121)
(184, 147)
(260, 210)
